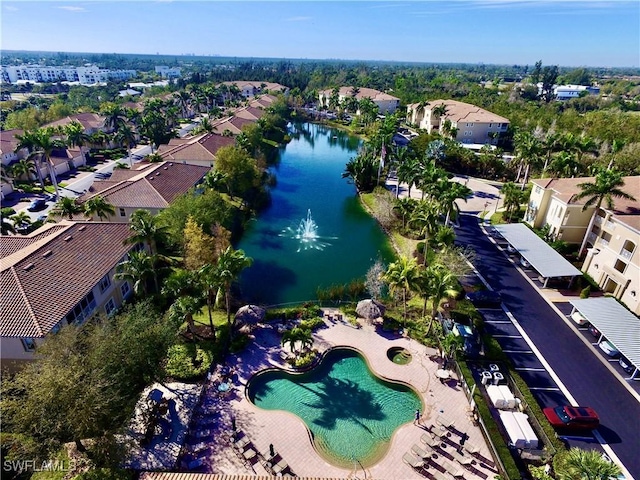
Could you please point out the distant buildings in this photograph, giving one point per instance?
(87, 75)
(251, 89)
(567, 92)
(168, 72)
(387, 104)
(463, 122)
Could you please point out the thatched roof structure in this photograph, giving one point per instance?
(250, 314)
(370, 309)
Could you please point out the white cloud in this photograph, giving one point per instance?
(69, 8)
(10, 8)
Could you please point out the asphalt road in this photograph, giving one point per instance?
(577, 366)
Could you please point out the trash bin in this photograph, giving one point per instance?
(497, 378)
(493, 367)
(486, 377)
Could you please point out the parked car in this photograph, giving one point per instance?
(578, 318)
(607, 347)
(37, 205)
(485, 299)
(626, 365)
(594, 331)
(524, 262)
(567, 416)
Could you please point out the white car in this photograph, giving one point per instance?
(578, 318)
(607, 347)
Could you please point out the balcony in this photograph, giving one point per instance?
(598, 220)
(626, 254)
(610, 225)
(591, 238)
(604, 242)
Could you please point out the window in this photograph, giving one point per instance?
(110, 306)
(29, 344)
(104, 283)
(82, 310)
(122, 212)
(56, 328)
(620, 266)
(125, 289)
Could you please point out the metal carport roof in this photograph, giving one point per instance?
(544, 259)
(616, 323)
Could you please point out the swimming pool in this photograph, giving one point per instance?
(350, 412)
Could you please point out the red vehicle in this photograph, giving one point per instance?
(567, 416)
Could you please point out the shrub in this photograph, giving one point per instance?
(585, 292)
(187, 361)
(312, 323)
(305, 360)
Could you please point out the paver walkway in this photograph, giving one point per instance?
(290, 436)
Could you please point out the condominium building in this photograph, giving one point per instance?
(86, 75)
(387, 104)
(464, 122)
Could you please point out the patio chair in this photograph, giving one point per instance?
(438, 475)
(414, 462)
(420, 452)
(242, 442)
(249, 454)
(428, 439)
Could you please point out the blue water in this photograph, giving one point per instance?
(309, 178)
(351, 413)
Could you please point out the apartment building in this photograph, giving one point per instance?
(60, 274)
(387, 104)
(86, 75)
(168, 72)
(612, 257)
(468, 123)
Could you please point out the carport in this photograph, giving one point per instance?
(615, 323)
(542, 258)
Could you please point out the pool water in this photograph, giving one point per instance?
(350, 412)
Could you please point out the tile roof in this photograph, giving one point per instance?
(466, 112)
(233, 124)
(200, 148)
(262, 101)
(153, 185)
(363, 92)
(8, 141)
(257, 85)
(43, 281)
(12, 243)
(625, 211)
(87, 120)
(249, 113)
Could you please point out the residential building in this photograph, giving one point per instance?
(9, 144)
(567, 92)
(148, 186)
(468, 123)
(251, 89)
(387, 104)
(612, 258)
(61, 274)
(198, 150)
(86, 75)
(168, 72)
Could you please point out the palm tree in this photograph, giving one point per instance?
(513, 197)
(408, 172)
(146, 229)
(528, 149)
(606, 185)
(28, 142)
(114, 116)
(425, 218)
(403, 276)
(210, 283)
(439, 110)
(362, 170)
(22, 169)
(126, 136)
(448, 195)
(586, 465)
(98, 206)
(405, 206)
(564, 164)
(230, 264)
(20, 219)
(44, 145)
(184, 308)
(183, 98)
(442, 285)
(297, 335)
(66, 207)
(76, 136)
(138, 268)
(6, 226)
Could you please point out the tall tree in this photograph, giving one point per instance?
(441, 286)
(67, 207)
(402, 276)
(145, 228)
(98, 206)
(586, 465)
(139, 268)
(425, 219)
(126, 136)
(227, 270)
(606, 186)
(76, 136)
(513, 197)
(199, 248)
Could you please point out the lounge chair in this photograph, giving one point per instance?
(445, 422)
(197, 463)
(279, 467)
(249, 454)
(471, 448)
(241, 442)
(203, 433)
(420, 452)
(438, 475)
(453, 470)
(409, 459)
(428, 439)
(461, 459)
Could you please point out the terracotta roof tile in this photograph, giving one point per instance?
(8, 141)
(38, 290)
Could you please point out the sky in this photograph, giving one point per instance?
(572, 33)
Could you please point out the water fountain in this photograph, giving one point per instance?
(307, 234)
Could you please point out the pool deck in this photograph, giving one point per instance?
(290, 436)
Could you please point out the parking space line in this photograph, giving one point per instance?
(506, 336)
(518, 351)
(546, 389)
(530, 369)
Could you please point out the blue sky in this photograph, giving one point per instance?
(559, 32)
